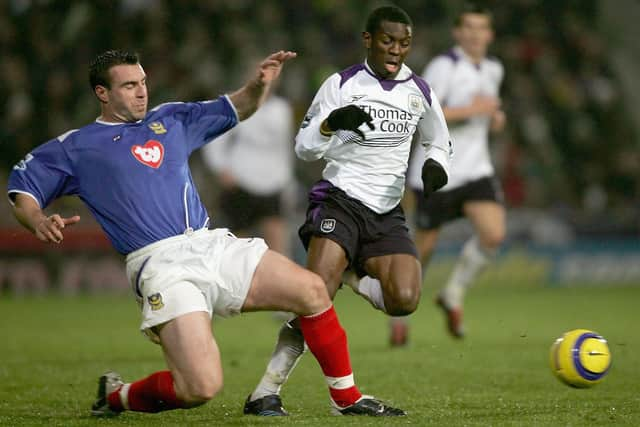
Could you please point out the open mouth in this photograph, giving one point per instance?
(392, 66)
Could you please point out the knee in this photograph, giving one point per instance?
(403, 301)
(200, 391)
(315, 297)
(492, 241)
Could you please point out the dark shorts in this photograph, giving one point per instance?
(242, 210)
(361, 232)
(445, 206)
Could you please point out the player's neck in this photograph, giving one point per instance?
(475, 57)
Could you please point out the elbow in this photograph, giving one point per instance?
(307, 156)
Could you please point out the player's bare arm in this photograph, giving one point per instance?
(498, 121)
(46, 228)
(482, 105)
(247, 99)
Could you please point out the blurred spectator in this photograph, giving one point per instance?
(254, 164)
(569, 134)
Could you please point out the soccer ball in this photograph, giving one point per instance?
(580, 358)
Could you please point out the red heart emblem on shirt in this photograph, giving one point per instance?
(149, 154)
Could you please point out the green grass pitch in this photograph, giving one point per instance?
(53, 349)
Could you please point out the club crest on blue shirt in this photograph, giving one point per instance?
(157, 128)
(155, 301)
(149, 154)
(415, 104)
(328, 225)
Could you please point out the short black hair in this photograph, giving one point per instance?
(477, 8)
(99, 67)
(386, 13)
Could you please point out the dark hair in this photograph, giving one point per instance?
(475, 8)
(386, 13)
(99, 67)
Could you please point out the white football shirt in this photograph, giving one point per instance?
(257, 152)
(457, 80)
(373, 170)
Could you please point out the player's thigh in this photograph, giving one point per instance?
(397, 272)
(426, 241)
(328, 259)
(488, 219)
(192, 354)
(280, 284)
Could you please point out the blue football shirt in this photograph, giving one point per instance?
(134, 177)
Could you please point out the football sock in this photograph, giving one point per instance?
(399, 326)
(152, 394)
(473, 260)
(286, 355)
(371, 290)
(328, 343)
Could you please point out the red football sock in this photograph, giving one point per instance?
(328, 343)
(152, 394)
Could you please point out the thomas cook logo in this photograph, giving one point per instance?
(155, 301)
(157, 128)
(328, 225)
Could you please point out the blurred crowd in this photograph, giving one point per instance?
(570, 147)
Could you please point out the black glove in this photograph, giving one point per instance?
(433, 177)
(350, 118)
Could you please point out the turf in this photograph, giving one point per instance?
(53, 349)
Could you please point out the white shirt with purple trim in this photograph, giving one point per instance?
(456, 79)
(373, 170)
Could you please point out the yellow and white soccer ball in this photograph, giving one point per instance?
(580, 358)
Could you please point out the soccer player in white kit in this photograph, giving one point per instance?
(254, 165)
(131, 168)
(362, 122)
(467, 83)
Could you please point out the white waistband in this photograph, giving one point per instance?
(174, 240)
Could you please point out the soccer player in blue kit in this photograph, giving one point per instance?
(130, 167)
(362, 122)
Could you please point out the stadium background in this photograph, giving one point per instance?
(568, 161)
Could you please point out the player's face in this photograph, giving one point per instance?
(387, 48)
(474, 34)
(127, 98)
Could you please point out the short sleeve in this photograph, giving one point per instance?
(207, 120)
(45, 174)
(438, 74)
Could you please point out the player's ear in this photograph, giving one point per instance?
(101, 93)
(366, 39)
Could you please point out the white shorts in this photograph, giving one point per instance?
(206, 270)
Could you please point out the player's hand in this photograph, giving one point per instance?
(433, 177)
(269, 69)
(227, 180)
(498, 121)
(350, 117)
(485, 105)
(49, 229)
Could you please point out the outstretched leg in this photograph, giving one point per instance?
(488, 220)
(193, 378)
(281, 284)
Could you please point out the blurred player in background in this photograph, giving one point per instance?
(131, 169)
(361, 122)
(254, 164)
(467, 83)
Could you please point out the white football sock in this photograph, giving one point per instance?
(371, 290)
(471, 263)
(288, 351)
